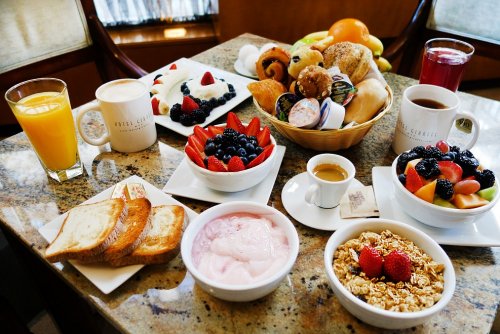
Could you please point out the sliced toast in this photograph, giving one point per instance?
(162, 243)
(88, 230)
(135, 227)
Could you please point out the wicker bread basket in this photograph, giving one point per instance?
(327, 140)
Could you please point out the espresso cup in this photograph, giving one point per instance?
(127, 113)
(427, 115)
(329, 178)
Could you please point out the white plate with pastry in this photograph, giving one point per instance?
(172, 92)
(104, 276)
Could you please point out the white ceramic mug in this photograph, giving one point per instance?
(327, 194)
(127, 113)
(420, 125)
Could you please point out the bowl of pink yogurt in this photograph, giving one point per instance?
(240, 251)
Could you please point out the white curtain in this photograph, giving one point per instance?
(134, 12)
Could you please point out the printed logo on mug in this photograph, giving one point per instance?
(427, 115)
(126, 110)
(329, 178)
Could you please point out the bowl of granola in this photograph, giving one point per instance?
(388, 274)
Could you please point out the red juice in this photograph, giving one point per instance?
(443, 67)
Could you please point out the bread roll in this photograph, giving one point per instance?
(351, 58)
(370, 98)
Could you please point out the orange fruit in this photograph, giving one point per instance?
(351, 30)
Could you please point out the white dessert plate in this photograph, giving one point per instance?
(292, 196)
(105, 277)
(240, 68)
(196, 69)
(184, 183)
(484, 232)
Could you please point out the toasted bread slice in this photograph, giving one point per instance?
(162, 243)
(88, 230)
(135, 227)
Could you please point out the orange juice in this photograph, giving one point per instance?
(47, 120)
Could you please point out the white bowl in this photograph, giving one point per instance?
(234, 181)
(435, 215)
(369, 313)
(240, 292)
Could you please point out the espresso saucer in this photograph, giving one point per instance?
(293, 198)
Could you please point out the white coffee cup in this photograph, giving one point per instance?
(127, 113)
(419, 125)
(323, 193)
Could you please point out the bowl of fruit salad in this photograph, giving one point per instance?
(443, 186)
(233, 156)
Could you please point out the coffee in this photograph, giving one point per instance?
(121, 91)
(428, 103)
(330, 172)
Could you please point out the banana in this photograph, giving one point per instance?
(318, 35)
(375, 45)
(382, 64)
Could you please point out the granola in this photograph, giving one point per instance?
(422, 291)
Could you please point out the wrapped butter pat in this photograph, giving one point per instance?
(359, 203)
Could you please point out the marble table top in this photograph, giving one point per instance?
(164, 298)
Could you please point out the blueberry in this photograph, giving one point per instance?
(230, 87)
(250, 148)
(231, 150)
(209, 140)
(226, 158)
(233, 94)
(254, 142)
(244, 160)
(219, 154)
(218, 138)
(221, 100)
(258, 150)
(150, 94)
(213, 102)
(205, 161)
(227, 96)
(243, 141)
(210, 149)
(197, 100)
(251, 157)
(402, 179)
(241, 152)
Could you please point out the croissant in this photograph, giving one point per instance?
(273, 64)
(266, 92)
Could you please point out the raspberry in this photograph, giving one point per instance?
(444, 189)
(486, 178)
(371, 261)
(428, 168)
(397, 266)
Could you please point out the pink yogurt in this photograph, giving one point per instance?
(240, 248)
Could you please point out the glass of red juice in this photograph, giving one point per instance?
(444, 61)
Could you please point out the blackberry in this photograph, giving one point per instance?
(419, 150)
(199, 116)
(196, 100)
(432, 152)
(176, 112)
(444, 189)
(230, 132)
(187, 119)
(402, 179)
(227, 96)
(230, 87)
(404, 158)
(486, 178)
(233, 94)
(221, 100)
(455, 149)
(469, 164)
(467, 153)
(213, 102)
(428, 168)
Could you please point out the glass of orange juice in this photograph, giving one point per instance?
(43, 110)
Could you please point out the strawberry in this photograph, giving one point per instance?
(215, 130)
(371, 262)
(215, 165)
(201, 133)
(207, 79)
(258, 160)
(450, 170)
(188, 105)
(413, 180)
(268, 150)
(196, 143)
(264, 136)
(194, 155)
(234, 122)
(155, 103)
(173, 67)
(397, 266)
(253, 128)
(235, 164)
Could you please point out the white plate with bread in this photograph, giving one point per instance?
(125, 233)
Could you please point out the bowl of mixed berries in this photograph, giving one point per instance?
(443, 186)
(233, 156)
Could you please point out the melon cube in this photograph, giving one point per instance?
(470, 201)
(427, 192)
(488, 193)
(412, 164)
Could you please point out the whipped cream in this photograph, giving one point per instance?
(217, 89)
(240, 248)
